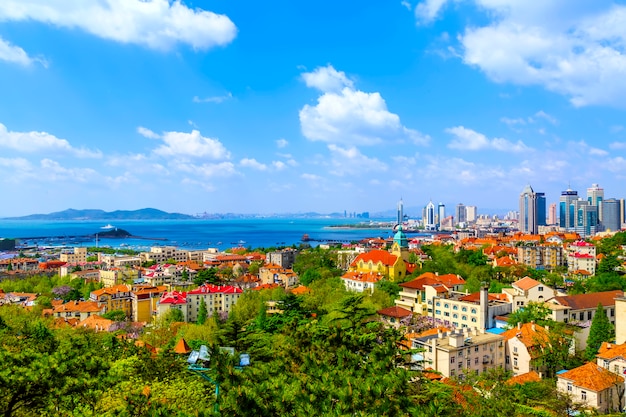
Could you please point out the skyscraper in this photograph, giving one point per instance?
(611, 215)
(429, 217)
(595, 195)
(400, 214)
(460, 213)
(471, 213)
(586, 218)
(567, 216)
(441, 213)
(528, 211)
(541, 209)
(552, 214)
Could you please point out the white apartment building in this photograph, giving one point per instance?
(160, 254)
(79, 255)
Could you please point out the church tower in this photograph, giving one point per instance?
(400, 246)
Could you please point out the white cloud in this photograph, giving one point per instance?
(575, 48)
(406, 4)
(350, 161)
(281, 143)
(145, 132)
(327, 79)
(351, 116)
(53, 171)
(17, 165)
(252, 163)
(33, 142)
(222, 169)
(310, 177)
(157, 24)
(213, 99)
(17, 55)
(617, 145)
(597, 152)
(191, 145)
(468, 139)
(543, 115)
(279, 165)
(428, 10)
(512, 122)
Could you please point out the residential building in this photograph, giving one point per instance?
(173, 300)
(462, 310)
(380, 261)
(112, 261)
(612, 357)
(79, 255)
(284, 258)
(361, 281)
(113, 298)
(395, 316)
(417, 295)
(620, 318)
(275, 274)
(109, 277)
(77, 309)
(524, 348)
(581, 256)
(593, 386)
(218, 299)
(462, 352)
(544, 256)
(161, 254)
(144, 301)
(471, 214)
(527, 290)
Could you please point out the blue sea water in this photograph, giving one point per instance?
(191, 234)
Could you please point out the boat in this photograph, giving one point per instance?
(108, 227)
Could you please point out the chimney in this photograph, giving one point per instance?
(439, 334)
(519, 325)
(484, 306)
(608, 346)
(534, 327)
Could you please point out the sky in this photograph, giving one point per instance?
(296, 106)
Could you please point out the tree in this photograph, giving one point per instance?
(532, 311)
(202, 312)
(185, 275)
(601, 331)
(115, 315)
(174, 315)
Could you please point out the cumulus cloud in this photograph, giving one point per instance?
(350, 161)
(147, 133)
(33, 142)
(157, 24)
(470, 140)
(252, 163)
(189, 145)
(279, 165)
(575, 48)
(347, 116)
(221, 169)
(428, 10)
(53, 171)
(281, 143)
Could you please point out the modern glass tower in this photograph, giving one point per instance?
(567, 216)
(611, 215)
(460, 213)
(528, 211)
(595, 195)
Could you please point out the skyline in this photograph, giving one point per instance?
(269, 108)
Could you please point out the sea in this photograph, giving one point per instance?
(195, 234)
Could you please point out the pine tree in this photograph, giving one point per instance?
(601, 331)
(202, 312)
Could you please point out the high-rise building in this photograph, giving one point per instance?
(429, 216)
(460, 214)
(528, 211)
(441, 214)
(622, 210)
(567, 213)
(471, 213)
(552, 214)
(541, 209)
(611, 215)
(400, 218)
(595, 195)
(586, 217)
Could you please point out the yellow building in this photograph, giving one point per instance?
(144, 301)
(117, 297)
(78, 256)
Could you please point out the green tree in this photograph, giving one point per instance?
(532, 311)
(185, 275)
(601, 331)
(174, 315)
(115, 315)
(202, 312)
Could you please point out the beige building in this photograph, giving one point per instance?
(612, 357)
(548, 256)
(109, 278)
(114, 298)
(284, 258)
(524, 348)
(526, 290)
(161, 254)
(469, 310)
(593, 386)
(620, 319)
(462, 352)
(77, 309)
(113, 261)
(417, 295)
(79, 255)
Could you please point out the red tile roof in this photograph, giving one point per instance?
(174, 297)
(362, 276)
(397, 312)
(526, 283)
(587, 301)
(592, 377)
(612, 351)
(210, 288)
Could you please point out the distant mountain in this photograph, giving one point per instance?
(94, 214)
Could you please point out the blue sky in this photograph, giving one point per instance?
(295, 106)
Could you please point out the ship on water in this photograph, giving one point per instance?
(108, 227)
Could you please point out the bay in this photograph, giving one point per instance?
(194, 234)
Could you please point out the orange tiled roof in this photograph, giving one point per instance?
(475, 297)
(182, 347)
(300, 290)
(78, 306)
(96, 322)
(111, 290)
(504, 261)
(592, 377)
(531, 376)
(376, 256)
(362, 276)
(526, 283)
(612, 351)
(530, 334)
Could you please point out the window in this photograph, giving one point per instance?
(589, 315)
(452, 372)
(438, 312)
(455, 307)
(473, 311)
(569, 387)
(446, 305)
(475, 361)
(583, 395)
(616, 369)
(612, 312)
(514, 349)
(460, 353)
(455, 316)
(438, 304)
(464, 317)
(540, 288)
(445, 313)
(473, 319)
(475, 348)
(464, 309)
(581, 315)
(452, 359)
